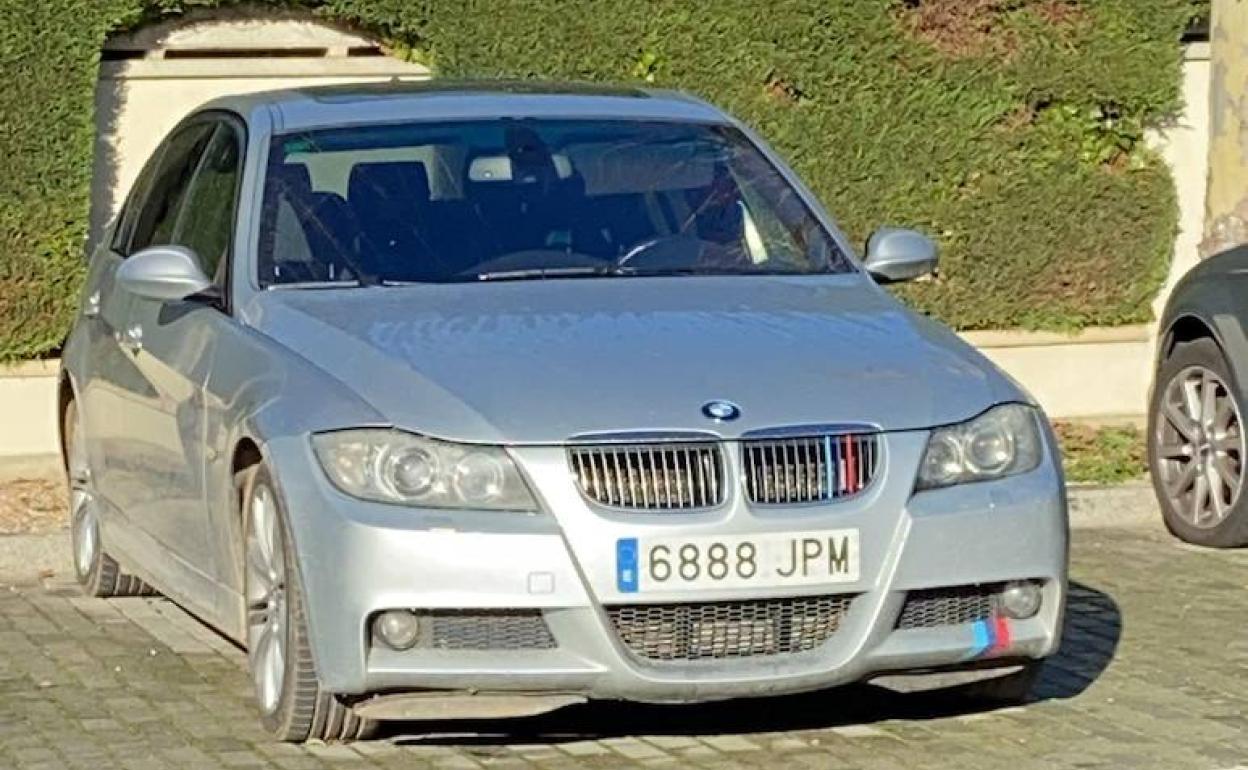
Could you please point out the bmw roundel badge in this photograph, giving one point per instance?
(721, 411)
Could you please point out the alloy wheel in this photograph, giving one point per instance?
(266, 599)
(1199, 445)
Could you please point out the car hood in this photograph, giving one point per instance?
(538, 362)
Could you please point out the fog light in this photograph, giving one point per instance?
(1020, 599)
(397, 629)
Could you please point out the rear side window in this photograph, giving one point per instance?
(155, 223)
(206, 222)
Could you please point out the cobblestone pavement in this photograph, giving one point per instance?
(1153, 674)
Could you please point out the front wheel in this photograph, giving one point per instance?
(1196, 447)
(293, 706)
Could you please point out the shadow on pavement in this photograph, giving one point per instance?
(1093, 628)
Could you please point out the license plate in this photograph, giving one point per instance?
(772, 560)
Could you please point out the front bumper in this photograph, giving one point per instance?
(359, 558)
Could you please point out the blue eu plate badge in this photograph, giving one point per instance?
(626, 577)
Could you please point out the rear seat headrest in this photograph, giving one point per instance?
(392, 179)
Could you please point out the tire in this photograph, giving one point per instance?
(1011, 689)
(1216, 442)
(297, 708)
(98, 573)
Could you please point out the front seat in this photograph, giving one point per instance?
(309, 236)
(391, 200)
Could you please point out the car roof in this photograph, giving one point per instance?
(297, 109)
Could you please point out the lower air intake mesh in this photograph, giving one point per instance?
(733, 629)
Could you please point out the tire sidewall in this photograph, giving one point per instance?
(1206, 353)
(93, 579)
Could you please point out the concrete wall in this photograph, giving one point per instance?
(28, 410)
(1226, 210)
(1101, 373)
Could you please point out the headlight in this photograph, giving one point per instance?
(396, 467)
(1000, 442)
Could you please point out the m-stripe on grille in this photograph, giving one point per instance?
(661, 477)
(809, 469)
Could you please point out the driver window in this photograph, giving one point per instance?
(205, 223)
(155, 222)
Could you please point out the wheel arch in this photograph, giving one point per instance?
(1187, 327)
(1224, 329)
(66, 392)
(246, 454)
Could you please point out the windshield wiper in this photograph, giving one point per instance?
(349, 283)
(548, 272)
(705, 271)
(601, 271)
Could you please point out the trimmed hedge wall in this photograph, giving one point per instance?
(1009, 129)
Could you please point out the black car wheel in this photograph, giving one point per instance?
(1196, 447)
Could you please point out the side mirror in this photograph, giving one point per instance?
(163, 273)
(894, 254)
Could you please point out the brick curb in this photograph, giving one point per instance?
(1119, 505)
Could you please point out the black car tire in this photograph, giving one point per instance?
(1232, 531)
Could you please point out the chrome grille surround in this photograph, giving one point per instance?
(484, 629)
(728, 629)
(952, 606)
(809, 469)
(659, 476)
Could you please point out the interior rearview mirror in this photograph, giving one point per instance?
(163, 273)
(895, 254)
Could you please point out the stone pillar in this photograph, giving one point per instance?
(1226, 201)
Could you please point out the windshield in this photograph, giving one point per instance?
(512, 199)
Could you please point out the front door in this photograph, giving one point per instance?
(169, 347)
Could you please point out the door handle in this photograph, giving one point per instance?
(134, 338)
(91, 308)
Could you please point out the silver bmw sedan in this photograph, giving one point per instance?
(480, 400)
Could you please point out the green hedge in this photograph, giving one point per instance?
(1010, 129)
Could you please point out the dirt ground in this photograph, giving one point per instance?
(32, 506)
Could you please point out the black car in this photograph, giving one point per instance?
(1196, 436)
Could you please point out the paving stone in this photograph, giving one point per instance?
(585, 748)
(730, 743)
(1153, 674)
